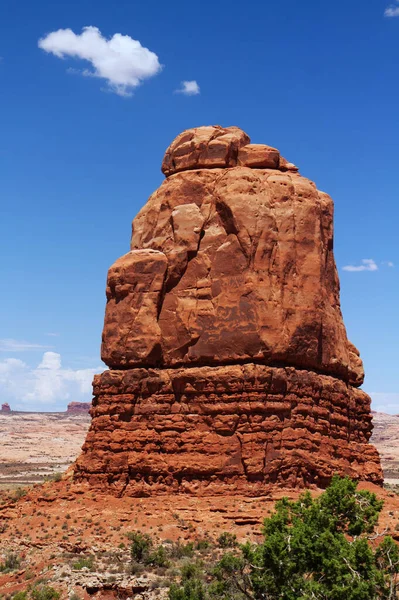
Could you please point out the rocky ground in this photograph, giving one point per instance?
(76, 540)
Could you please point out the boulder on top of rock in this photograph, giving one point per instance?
(220, 147)
(204, 147)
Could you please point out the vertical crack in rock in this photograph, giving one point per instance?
(320, 344)
(230, 369)
(244, 466)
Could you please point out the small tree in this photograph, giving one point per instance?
(141, 545)
(313, 549)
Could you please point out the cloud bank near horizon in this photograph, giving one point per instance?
(46, 385)
(385, 402)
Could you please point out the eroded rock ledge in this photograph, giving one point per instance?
(217, 430)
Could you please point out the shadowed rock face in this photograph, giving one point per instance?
(231, 263)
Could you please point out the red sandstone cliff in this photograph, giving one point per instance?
(226, 321)
(5, 408)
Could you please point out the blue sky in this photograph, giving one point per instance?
(79, 155)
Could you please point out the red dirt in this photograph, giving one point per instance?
(34, 527)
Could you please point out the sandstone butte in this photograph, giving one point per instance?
(78, 408)
(230, 370)
(5, 408)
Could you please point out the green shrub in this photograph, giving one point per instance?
(141, 546)
(12, 562)
(227, 540)
(192, 570)
(158, 558)
(203, 544)
(84, 562)
(312, 549)
(192, 584)
(179, 550)
(45, 592)
(20, 596)
(193, 589)
(18, 494)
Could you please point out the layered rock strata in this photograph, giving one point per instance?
(230, 366)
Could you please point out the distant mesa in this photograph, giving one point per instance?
(5, 408)
(78, 408)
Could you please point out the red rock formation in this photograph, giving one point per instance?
(5, 408)
(77, 408)
(226, 321)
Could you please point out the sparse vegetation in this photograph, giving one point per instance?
(12, 562)
(141, 546)
(84, 562)
(180, 550)
(227, 540)
(20, 596)
(312, 549)
(325, 548)
(45, 592)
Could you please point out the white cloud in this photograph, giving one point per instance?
(390, 264)
(385, 402)
(392, 11)
(122, 61)
(10, 345)
(368, 264)
(51, 334)
(50, 360)
(47, 384)
(188, 88)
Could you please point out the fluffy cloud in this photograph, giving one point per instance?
(46, 384)
(188, 88)
(392, 11)
(122, 61)
(368, 264)
(10, 345)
